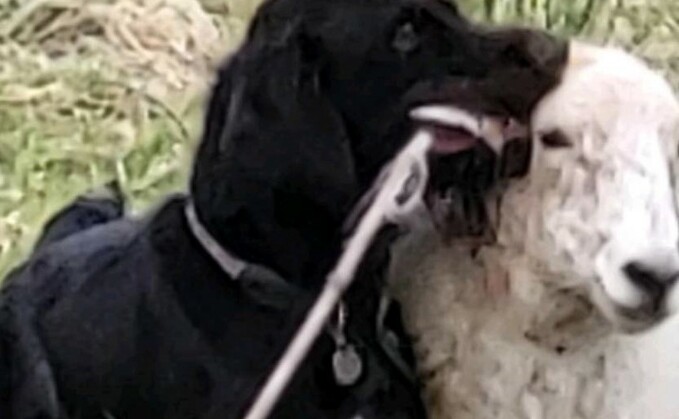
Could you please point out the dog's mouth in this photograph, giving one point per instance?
(456, 129)
(472, 153)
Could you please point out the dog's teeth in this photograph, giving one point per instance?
(447, 116)
(492, 133)
(496, 132)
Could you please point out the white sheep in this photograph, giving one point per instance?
(569, 314)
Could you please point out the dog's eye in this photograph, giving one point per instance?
(406, 39)
(555, 139)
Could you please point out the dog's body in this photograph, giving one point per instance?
(134, 319)
(134, 332)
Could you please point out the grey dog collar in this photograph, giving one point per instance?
(228, 262)
(265, 285)
(269, 287)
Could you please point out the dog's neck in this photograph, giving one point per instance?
(362, 300)
(302, 249)
(290, 250)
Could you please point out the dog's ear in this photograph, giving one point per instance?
(274, 172)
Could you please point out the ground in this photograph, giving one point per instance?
(92, 90)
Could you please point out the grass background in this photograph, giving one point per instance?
(92, 90)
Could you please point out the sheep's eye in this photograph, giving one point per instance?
(406, 38)
(555, 139)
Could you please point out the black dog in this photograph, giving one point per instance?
(97, 207)
(137, 319)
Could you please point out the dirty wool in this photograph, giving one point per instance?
(549, 321)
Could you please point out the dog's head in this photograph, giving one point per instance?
(316, 101)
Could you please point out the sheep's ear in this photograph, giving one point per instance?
(581, 55)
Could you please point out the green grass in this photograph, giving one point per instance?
(92, 90)
(80, 104)
(67, 126)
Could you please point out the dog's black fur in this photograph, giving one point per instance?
(97, 207)
(133, 319)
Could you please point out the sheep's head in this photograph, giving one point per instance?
(603, 171)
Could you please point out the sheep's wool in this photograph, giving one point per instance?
(527, 327)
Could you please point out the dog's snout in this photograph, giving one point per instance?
(653, 282)
(546, 51)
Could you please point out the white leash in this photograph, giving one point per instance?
(398, 196)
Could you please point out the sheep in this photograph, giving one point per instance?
(569, 314)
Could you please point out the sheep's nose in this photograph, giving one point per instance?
(654, 283)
